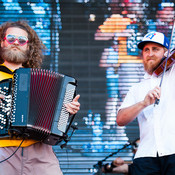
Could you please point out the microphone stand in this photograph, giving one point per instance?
(98, 166)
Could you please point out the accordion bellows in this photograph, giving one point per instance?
(37, 108)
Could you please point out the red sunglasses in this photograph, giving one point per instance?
(22, 40)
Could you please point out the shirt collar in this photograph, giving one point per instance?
(147, 76)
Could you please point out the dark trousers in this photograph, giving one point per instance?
(153, 166)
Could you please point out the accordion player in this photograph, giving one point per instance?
(34, 105)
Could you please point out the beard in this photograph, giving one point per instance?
(14, 54)
(150, 66)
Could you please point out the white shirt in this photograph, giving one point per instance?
(156, 123)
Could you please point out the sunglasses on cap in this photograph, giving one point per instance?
(22, 40)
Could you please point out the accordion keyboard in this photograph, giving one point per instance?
(62, 123)
(5, 106)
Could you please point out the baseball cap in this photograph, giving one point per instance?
(155, 37)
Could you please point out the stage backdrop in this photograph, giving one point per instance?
(94, 41)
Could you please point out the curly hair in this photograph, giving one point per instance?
(36, 47)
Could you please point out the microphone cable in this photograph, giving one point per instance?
(13, 153)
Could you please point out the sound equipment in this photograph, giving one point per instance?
(33, 106)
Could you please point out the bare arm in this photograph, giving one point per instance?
(127, 115)
(121, 169)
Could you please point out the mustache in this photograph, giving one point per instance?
(150, 58)
(13, 46)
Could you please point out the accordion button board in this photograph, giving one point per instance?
(5, 106)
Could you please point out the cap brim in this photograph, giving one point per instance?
(142, 44)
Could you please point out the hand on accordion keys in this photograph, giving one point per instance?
(74, 106)
(1, 97)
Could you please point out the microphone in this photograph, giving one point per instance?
(109, 167)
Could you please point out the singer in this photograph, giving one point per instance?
(156, 152)
(21, 47)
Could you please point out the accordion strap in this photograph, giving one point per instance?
(5, 69)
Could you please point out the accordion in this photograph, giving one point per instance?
(34, 105)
